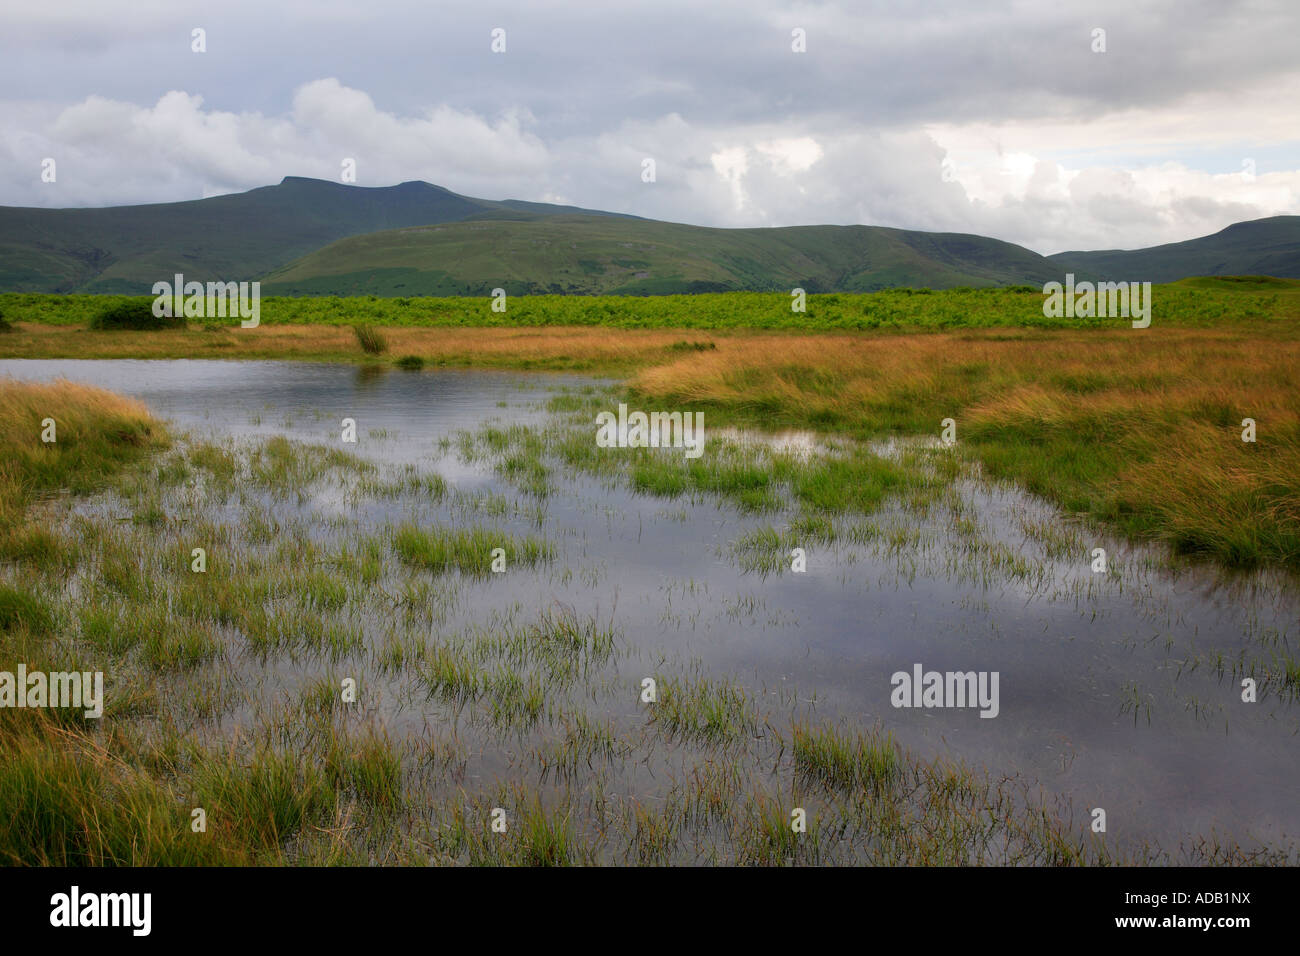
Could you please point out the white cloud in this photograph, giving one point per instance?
(1117, 180)
(791, 155)
(113, 152)
(731, 165)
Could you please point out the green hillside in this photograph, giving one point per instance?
(311, 237)
(1267, 247)
(127, 248)
(603, 255)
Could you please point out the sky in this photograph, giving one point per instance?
(1016, 120)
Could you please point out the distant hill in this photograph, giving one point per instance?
(240, 236)
(589, 255)
(312, 237)
(1268, 247)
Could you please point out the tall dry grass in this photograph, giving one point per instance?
(554, 347)
(94, 431)
(1142, 428)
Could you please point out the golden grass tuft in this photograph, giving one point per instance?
(94, 430)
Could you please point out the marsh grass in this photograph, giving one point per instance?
(265, 797)
(535, 835)
(37, 547)
(763, 550)
(96, 433)
(517, 670)
(856, 484)
(764, 836)
(1140, 432)
(517, 453)
(587, 742)
(369, 767)
(180, 648)
(467, 550)
(450, 672)
(65, 801)
(225, 686)
(753, 476)
(699, 709)
(284, 466)
(853, 761)
(21, 609)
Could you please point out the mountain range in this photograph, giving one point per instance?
(312, 237)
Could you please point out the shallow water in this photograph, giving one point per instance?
(1107, 693)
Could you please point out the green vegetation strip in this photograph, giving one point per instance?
(1196, 303)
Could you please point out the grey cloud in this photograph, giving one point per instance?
(586, 90)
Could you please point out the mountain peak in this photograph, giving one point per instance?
(280, 229)
(411, 185)
(291, 180)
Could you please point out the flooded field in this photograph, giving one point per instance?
(641, 656)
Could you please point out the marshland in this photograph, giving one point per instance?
(350, 680)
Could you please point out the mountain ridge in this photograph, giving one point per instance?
(234, 236)
(1268, 246)
(306, 236)
(584, 255)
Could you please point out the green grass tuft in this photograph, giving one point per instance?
(370, 339)
(468, 550)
